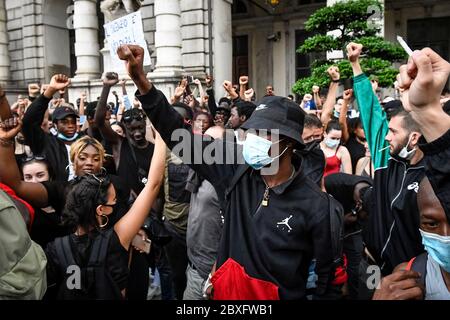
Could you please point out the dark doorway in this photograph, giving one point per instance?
(240, 57)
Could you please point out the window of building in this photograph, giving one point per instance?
(430, 32)
(239, 7)
(303, 61)
(240, 57)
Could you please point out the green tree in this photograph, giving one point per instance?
(352, 19)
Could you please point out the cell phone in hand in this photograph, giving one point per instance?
(141, 244)
(190, 79)
(82, 120)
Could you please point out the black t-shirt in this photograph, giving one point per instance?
(47, 227)
(357, 151)
(57, 192)
(130, 171)
(116, 259)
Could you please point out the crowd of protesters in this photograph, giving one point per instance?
(229, 197)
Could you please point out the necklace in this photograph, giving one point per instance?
(265, 200)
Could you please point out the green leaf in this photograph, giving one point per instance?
(351, 17)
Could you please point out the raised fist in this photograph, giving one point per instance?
(315, 89)
(243, 80)
(59, 82)
(228, 86)
(354, 51)
(333, 72)
(110, 79)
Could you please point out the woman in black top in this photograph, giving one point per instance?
(86, 211)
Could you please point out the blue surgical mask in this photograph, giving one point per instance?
(256, 151)
(336, 114)
(65, 138)
(438, 247)
(332, 143)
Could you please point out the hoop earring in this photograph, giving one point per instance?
(104, 223)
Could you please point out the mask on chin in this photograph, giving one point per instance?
(404, 153)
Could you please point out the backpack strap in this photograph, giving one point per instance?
(336, 214)
(236, 177)
(100, 248)
(419, 264)
(64, 253)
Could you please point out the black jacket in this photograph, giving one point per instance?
(42, 143)
(437, 168)
(253, 235)
(392, 232)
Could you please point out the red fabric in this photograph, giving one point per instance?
(333, 165)
(340, 275)
(231, 282)
(410, 263)
(12, 194)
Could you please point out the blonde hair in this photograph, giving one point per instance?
(78, 146)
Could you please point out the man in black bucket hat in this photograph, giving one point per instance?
(275, 219)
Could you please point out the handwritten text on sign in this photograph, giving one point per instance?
(126, 30)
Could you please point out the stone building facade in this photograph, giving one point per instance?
(41, 37)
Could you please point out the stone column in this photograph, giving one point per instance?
(4, 53)
(223, 43)
(85, 22)
(168, 37)
(168, 45)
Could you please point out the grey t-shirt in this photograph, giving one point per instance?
(435, 283)
(204, 228)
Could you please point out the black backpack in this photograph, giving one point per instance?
(95, 279)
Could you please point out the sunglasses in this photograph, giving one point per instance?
(129, 118)
(31, 158)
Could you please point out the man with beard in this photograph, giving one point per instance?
(55, 148)
(392, 233)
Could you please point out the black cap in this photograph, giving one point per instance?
(279, 113)
(391, 106)
(63, 112)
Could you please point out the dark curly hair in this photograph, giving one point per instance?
(86, 194)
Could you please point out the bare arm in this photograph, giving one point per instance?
(346, 160)
(422, 81)
(34, 193)
(82, 98)
(343, 115)
(316, 95)
(129, 225)
(228, 86)
(200, 88)
(5, 110)
(331, 97)
(109, 134)
(243, 82)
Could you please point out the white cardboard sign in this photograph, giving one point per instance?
(125, 30)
